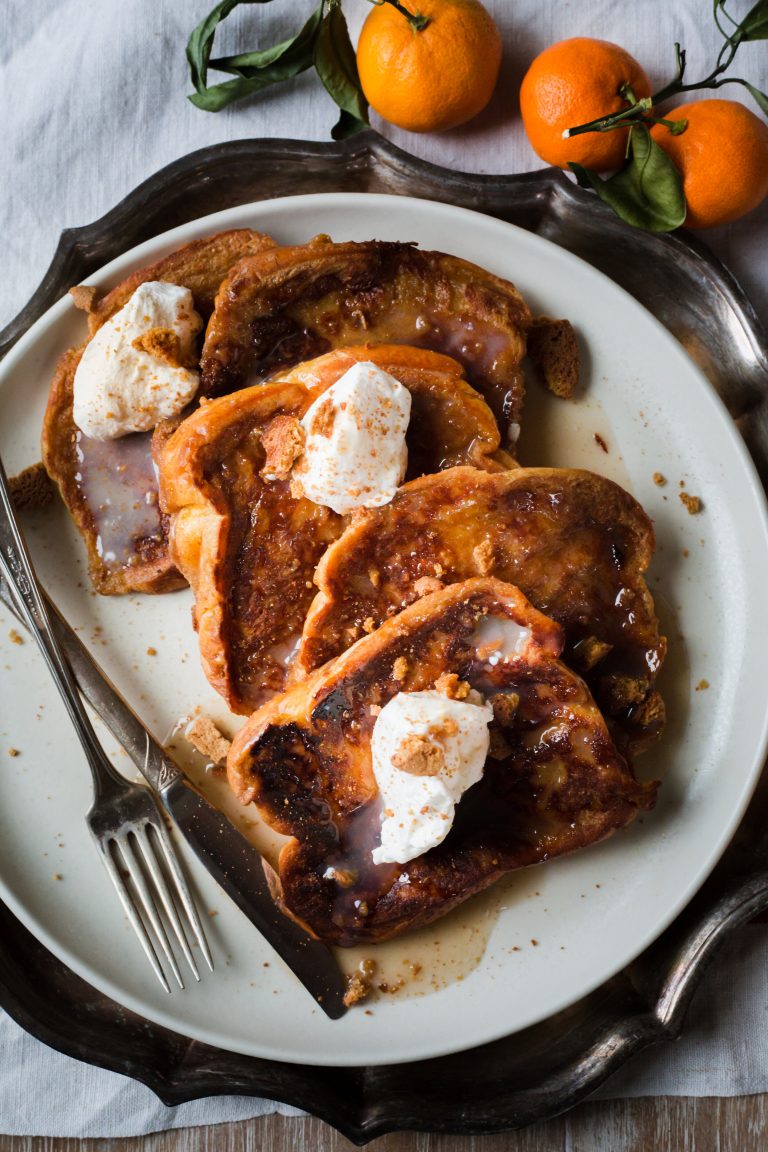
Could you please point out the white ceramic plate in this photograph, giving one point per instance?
(590, 914)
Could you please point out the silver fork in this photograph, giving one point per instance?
(125, 821)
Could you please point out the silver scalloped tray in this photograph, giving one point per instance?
(552, 1066)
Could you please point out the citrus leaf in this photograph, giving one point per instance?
(280, 62)
(754, 26)
(255, 71)
(218, 96)
(647, 192)
(200, 42)
(760, 98)
(336, 66)
(347, 126)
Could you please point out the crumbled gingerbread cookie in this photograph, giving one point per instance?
(554, 352)
(482, 554)
(692, 503)
(84, 296)
(208, 739)
(426, 585)
(360, 983)
(31, 488)
(419, 756)
(451, 686)
(163, 344)
(283, 444)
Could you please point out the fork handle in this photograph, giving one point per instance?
(17, 567)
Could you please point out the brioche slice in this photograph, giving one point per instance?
(276, 309)
(110, 487)
(247, 545)
(575, 543)
(553, 781)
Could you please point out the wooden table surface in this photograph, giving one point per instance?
(661, 1124)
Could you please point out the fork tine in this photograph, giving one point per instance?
(182, 889)
(145, 842)
(130, 910)
(133, 864)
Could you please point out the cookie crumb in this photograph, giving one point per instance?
(659, 479)
(554, 351)
(15, 637)
(449, 684)
(369, 624)
(600, 441)
(31, 488)
(400, 668)
(702, 685)
(360, 983)
(208, 739)
(283, 444)
(692, 503)
(14, 752)
(84, 297)
(151, 651)
(425, 585)
(482, 554)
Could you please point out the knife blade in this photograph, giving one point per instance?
(223, 851)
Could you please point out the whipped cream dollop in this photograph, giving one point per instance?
(132, 374)
(354, 441)
(427, 750)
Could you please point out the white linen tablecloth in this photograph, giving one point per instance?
(93, 98)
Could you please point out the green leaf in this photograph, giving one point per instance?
(336, 66)
(255, 71)
(760, 98)
(218, 96)
(647, 192)
(347, 126)
(280, 62)
(201, 41)
(754, 26)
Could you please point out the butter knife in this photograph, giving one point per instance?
(232, 861)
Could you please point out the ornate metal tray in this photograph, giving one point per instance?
(552, 1066)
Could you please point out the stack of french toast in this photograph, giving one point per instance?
(447, 661)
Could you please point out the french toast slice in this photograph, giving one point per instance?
(553, 781)
(278, 308)
(247, 545)
(576, 544)
(110, 487)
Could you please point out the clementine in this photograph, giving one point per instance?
(434, 78)
(574, 82)
(723, 159)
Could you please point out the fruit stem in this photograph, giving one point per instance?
(417, 22)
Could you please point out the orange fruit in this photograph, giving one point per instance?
(723, 159)
(433, 79)
(571, 83)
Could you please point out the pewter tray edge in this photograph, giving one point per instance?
(552, 1066)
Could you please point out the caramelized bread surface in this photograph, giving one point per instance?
(554, 780)
(278, 308)
(110, 487)
(249, 547)
(575, 543)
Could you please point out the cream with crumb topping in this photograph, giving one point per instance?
(134, 371)
(355, 454)
(426, 750)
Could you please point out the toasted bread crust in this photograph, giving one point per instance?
(575, 543)
(247, 544)
(291, 304)
(559, 783)
(141, 562)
